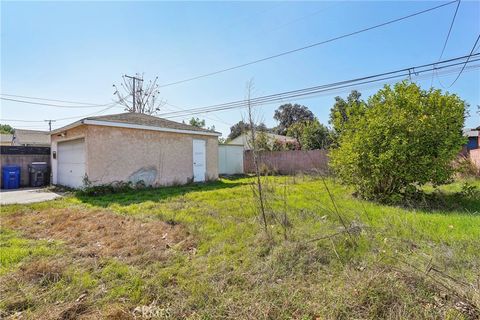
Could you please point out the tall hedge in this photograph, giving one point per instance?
(406, 138)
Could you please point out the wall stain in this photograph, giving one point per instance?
(147, 175)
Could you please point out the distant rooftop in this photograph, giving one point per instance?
(472, 132)
(31, 137)
(6, 139)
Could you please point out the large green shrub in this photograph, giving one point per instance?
(406, 138)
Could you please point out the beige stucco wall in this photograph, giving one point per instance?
(122, 154)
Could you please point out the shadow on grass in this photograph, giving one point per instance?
(448, 202)
(235, 177)
(441, 202)
(129, 197)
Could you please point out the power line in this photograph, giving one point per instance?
(468, 58)
(308, 46)
(67, 118)
(424, 75)
(446, 39)
(38, 126)
(91, 114)
(405, 72)
(477, 48)
(21, 120)
(339, 90)
(54, 105)
(218, 118)
(241, 103)
(449, 30)
(45, 99)
(306, 16)
(321, 92)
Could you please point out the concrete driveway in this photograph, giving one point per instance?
(30, 195)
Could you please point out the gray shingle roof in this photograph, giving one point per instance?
(146, 120)
(32, 137)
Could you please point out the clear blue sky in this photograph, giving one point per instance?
(76, 51)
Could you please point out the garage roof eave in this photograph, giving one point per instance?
(147, 127)
(132, 126)
(67, 127)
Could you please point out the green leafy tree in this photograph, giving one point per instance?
(197, 122)
(5, 128)
(200, 123)
(237, 129)
(310, 135)
(296, 131)
(406, 138)
(343, 110)
(241, 127)
(288, 114)
(262, 142)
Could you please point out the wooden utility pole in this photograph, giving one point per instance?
(50, 124)
(134, 91)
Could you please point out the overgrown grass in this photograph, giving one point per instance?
(15, 248)
(234, 271)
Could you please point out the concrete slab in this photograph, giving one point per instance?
(23, 196)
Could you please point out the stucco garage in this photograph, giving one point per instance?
(132, 147)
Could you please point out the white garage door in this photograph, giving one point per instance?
(71, 163)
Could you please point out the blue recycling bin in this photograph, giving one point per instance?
(11, 177)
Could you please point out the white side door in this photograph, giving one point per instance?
(71, 163)
(199, 160)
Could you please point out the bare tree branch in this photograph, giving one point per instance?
(146, 95)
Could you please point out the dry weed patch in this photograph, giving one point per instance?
(101, 234)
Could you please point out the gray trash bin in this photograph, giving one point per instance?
(39, 174)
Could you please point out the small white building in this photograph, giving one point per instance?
(230, 159)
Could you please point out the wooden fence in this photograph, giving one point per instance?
(288, 162)
(475, 158)
(23, 156)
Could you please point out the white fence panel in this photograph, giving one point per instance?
(230, 159)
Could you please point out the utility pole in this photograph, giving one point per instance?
(133, 93)
(50, 124)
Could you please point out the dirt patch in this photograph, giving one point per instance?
(102, 234)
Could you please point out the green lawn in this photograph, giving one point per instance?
(16, 248)
(398, 263)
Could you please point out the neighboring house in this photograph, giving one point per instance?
(472, 148)
(473, 136)
(6, 139)
(31, 138)
(245, 139)
(132, 147)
